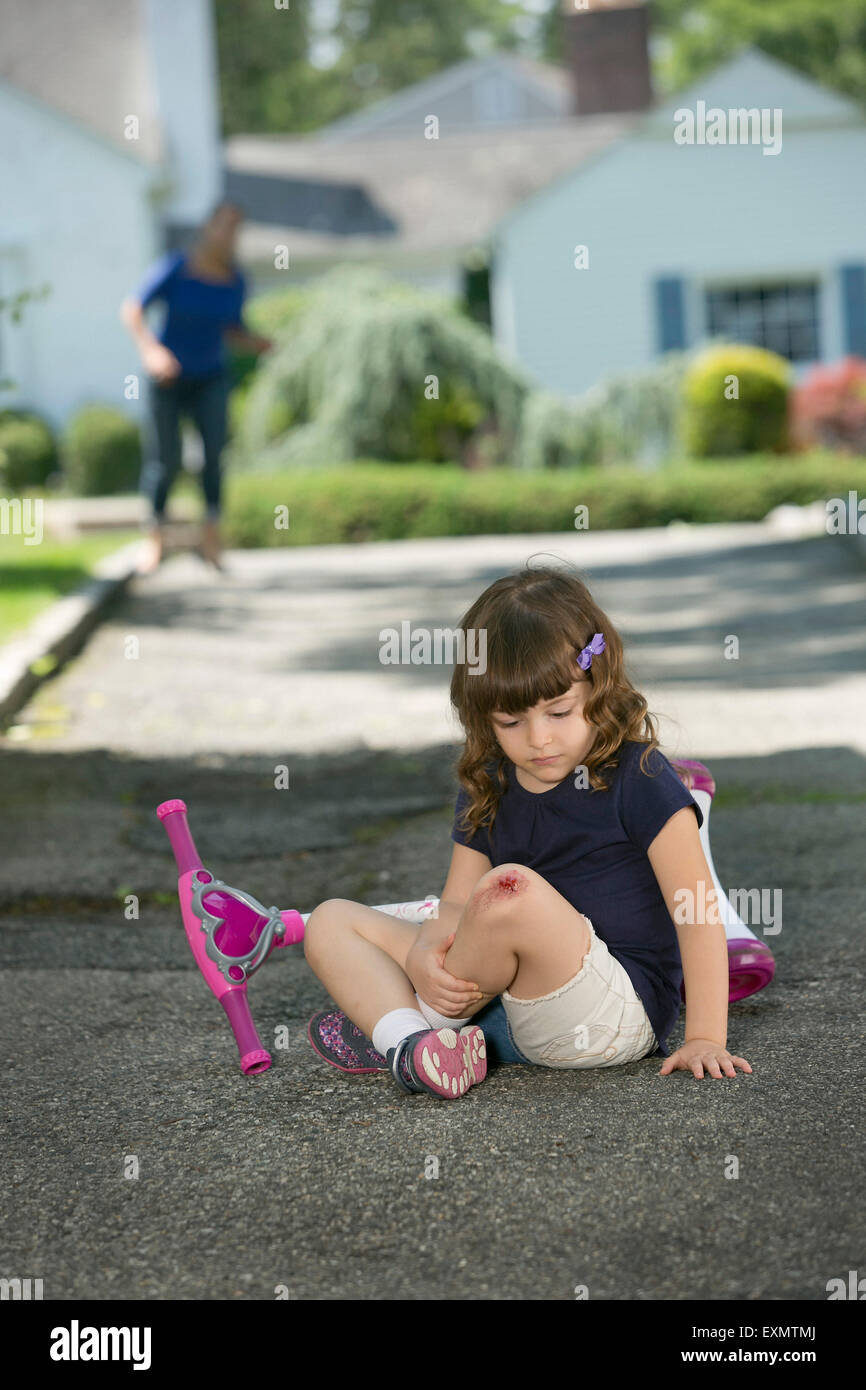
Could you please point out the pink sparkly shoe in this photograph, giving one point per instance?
(341, 1044)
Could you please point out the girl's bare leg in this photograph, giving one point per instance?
(518, 933)
(358, 953)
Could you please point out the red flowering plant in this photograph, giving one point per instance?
(828, 408)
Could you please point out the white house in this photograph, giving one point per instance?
(671, 236)
(415, 183)
(111, 153)
(110, 141)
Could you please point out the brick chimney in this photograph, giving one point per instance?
(607, 43)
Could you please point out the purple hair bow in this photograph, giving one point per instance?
(595, 648)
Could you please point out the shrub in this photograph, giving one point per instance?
(555, 433)
(828, 408)
(714, 425)
(273, 313)
(28, 450)
(101, 452)
(628, 418)
(355, 378)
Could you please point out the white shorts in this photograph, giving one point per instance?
(595, 1020)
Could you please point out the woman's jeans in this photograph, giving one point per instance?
(205, 399)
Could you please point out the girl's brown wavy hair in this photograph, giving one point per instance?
(537, 620)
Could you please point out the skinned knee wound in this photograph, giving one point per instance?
(505, 886)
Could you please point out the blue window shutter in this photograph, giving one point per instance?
(670, 313)
(853, 278)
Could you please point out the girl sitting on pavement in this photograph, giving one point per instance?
(578, 896)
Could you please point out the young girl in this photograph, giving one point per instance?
(578, 889)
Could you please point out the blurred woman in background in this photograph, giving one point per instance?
(186, 371)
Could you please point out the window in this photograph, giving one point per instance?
(782, 318)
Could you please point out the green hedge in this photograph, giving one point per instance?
(367, 501)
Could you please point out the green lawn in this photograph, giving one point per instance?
(34, 576)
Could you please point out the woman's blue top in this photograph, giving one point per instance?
(592, 847)
(197, 312)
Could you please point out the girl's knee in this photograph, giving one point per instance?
(502, 886)
(320, 922)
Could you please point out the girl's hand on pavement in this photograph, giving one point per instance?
(697, 1053)
(436, 985)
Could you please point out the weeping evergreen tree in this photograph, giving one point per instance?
(374, 369)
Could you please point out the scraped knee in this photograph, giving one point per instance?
(502, 886)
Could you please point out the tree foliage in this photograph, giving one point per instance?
(270, 83)
(823, 39)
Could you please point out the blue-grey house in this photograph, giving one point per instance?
(736, 208)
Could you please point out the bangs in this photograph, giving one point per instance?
(526, 664)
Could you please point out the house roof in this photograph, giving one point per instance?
(400, 194)
(750, 78)
(394, 115)
(87, 60)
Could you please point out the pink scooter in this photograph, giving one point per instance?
(231, 933)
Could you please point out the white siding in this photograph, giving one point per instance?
(651, 207)
(74, 215)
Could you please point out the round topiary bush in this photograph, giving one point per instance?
(28, 451)
(735, 401)
(101, 452)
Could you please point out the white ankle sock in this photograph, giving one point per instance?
(439, 1020)
(392, 1028)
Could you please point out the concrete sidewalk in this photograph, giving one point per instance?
(113, 1048)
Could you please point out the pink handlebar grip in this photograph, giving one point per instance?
(173, 817)
(254, 1058)
(294, 924)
